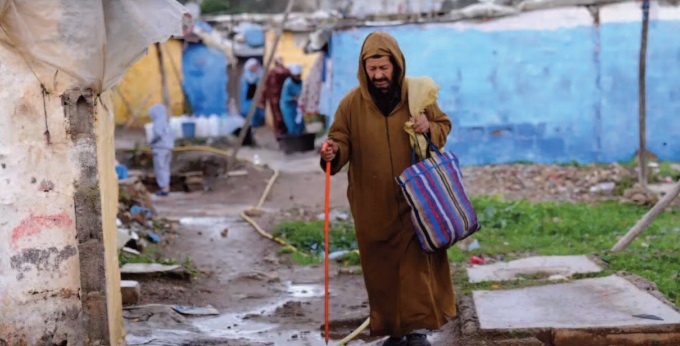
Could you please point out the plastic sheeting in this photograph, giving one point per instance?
(95, 41)
(205, 79)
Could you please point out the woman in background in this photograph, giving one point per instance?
(252, 73)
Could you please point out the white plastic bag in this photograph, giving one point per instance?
(95, 41)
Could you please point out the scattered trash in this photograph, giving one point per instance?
(122, 172)
(196, 310)
(474, 246)
(148, 268)
(256, 160)
(477, 260)
(118, 223)
(131, 251)
(649, 317)
(154, 237)
(603, 187)
(334, 215)
(495, 287)
(338, 254)
(136, 210)
(224, 232)
(124, 237)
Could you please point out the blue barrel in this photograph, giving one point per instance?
(189, 130)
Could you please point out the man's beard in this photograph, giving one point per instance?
(384, 89)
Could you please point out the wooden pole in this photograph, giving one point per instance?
(642, 153)
(260, 84)
(164, 80)
(646, 220)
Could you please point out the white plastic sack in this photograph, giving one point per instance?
(95, 41)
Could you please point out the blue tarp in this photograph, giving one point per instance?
(205, 79)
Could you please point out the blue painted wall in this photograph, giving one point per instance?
(538, 95)
(205, 79)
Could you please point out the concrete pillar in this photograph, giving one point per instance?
(59, 279)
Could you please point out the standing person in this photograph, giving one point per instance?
(252, 73)
(272, 94)
(292, 88)
(162, 143)
(410, 292)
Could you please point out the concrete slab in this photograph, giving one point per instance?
(544, 266)
(603, 302)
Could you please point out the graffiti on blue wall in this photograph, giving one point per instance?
(538, 95)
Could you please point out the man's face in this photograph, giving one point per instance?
(380, 72)
(297, 77)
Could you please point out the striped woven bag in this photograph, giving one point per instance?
(441, 212)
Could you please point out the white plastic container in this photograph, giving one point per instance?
(214, 126)
(230, 123)
(202, 127)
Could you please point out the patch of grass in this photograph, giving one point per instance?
(308, 237)
(510, 228)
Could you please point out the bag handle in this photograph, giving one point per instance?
(429, 143)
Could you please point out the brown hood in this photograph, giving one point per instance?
(381, 43)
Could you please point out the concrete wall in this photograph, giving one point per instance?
(542, 86)
(52, 187)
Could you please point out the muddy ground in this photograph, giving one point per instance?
(261, 295)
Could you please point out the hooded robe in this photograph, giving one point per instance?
(408, 289)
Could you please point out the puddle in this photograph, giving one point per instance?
(305, 290)
(231, 325)
(207, 221)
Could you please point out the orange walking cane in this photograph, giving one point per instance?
(327, 212)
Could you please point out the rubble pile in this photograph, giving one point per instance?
(573, 183)
(138, 225)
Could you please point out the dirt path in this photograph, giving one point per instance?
(262, 297)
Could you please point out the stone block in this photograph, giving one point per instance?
(130, 291)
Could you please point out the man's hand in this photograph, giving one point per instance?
(421, 124)
(330, 152)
